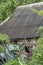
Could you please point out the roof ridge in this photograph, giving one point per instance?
(30, 5)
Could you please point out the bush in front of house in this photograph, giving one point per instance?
(13, 62)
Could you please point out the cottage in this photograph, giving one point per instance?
(23, 24)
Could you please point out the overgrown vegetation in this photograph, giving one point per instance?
(40, 13)
(6, 9)
(37, 58)
(13, 62)
(8, 6)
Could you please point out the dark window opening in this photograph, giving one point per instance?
(27, 49)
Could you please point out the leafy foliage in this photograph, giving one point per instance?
(12, 62)
(41, 30)
(4, 37)
(1, 48)
(6, 8)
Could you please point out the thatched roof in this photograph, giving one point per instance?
(24, 22)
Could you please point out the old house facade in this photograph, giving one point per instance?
(23, 24)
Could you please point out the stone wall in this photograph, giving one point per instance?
(30, 43)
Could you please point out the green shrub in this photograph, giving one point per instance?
(12, 62)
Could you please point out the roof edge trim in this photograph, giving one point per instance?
(5, 21)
